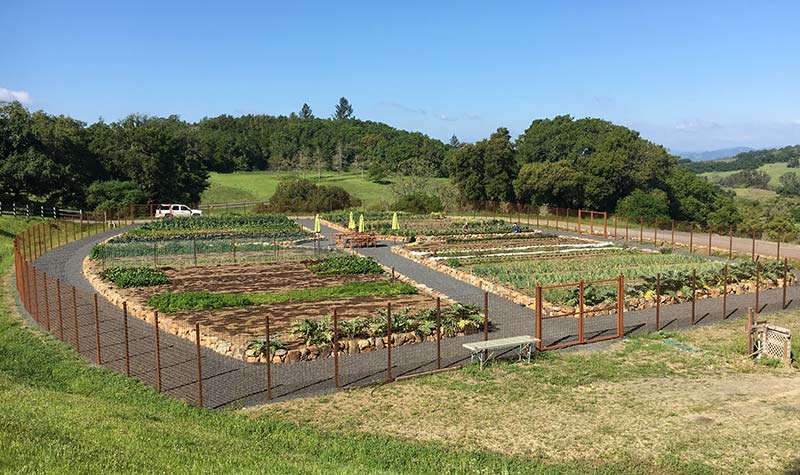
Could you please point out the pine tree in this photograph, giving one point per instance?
(344, 110)
(305, 112)
(454, 142)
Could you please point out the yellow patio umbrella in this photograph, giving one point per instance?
(361, 223)
(395, 222)
(352, 223)
(317, 224)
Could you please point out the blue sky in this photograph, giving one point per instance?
(689, 75)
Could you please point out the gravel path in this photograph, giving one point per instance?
(229, 382)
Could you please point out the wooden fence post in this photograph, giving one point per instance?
(753, 252)
(691, 238)
(785, 279)
(46, 302)
(758, 285)
(580, 311)
(672, 243)
(725, 293)
(539, 316)
(158, 352)
(710, 233)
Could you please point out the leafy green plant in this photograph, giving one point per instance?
(259, 345)
(314, 332)
(346, 265)
(128, 277)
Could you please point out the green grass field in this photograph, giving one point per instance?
(259, 186)
(774, 170)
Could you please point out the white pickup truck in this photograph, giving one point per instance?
(173, 210)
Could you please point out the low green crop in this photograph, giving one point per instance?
(346, 265)
(127, 277)
(169, 302)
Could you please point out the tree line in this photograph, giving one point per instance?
(590, 164)
(746, 160)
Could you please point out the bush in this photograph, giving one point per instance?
(418, 203)
(346, 265)
(127, 277)
(644, 205)
(300, 194)
(113, 195)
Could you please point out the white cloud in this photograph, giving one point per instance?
(7, 95)
(403, 107)
(445, 117)
(696, 125)
(471, 116)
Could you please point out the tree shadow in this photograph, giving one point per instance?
(794, 468)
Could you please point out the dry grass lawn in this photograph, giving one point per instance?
(713, 410)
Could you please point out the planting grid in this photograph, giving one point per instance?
(230, 382)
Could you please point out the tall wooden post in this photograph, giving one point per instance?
(730, 242)
(691, 238)
(439, 332)
(75, 319)
(655, 233)
(694, 294)
(620, 306)
(641, 230)
(725, 293)
(710, 233)
(46, 302)
(785, 280)
(672, 242)
(753, 252)
(758, 285)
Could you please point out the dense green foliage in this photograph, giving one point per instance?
(454, 319)
(417, 203)
(129, 277)
(56, 158)
(746, 179)
(790, 184)
(585, 163)
(170, 302)
(300, 194)
(346, 265)
(746, 160)
(644, 205)
(266, 225)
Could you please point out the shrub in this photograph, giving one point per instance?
(259, 345)
(314, 332)
(127, 277)
(645, 205)
(346, 265)
(169, 302)
(419, 203)
(300, 194)
(113, 195)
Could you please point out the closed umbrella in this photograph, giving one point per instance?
(352, 223)
(395, 222)
(317, 224)
(361, 223)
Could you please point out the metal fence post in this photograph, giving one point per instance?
(691, 238)
(710, 233)
(36, 297)
(389, 341)
(233, 246)
(60, 311)
(621, 306)
(75, 319)
(672, 245)
(46, 302)
(725, 293)
(658, 301)
(438, 333)
(158, 353)
(753, 252)
(336, 347)
(485, 316)
(97, 330)
(194, 250)
(758, 285)
(200, 364)
(580, 311)
(539, 316)
(694, 294)
(269, 360)
(655, 233)
(785, 279)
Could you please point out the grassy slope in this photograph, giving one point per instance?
(58, 415)
(774, 170)
(259, 186)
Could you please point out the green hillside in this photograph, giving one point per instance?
(259, 186)
(774, 170)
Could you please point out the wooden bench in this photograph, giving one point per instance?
(484, 350)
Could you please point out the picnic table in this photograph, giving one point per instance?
(484, 350)
(356, 240)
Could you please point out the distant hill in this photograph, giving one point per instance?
(746, 160)
(712, 154)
